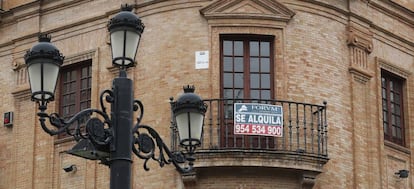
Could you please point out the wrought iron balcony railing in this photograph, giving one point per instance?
(305, 129)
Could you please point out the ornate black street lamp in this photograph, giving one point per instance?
(111, 138)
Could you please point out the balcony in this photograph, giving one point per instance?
(302, 146)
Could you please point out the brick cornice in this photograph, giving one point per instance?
(392, 68)
(79, 57)
(394, 10)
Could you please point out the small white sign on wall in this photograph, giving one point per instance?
(201, 60)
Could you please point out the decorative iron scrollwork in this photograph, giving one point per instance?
(146, 145)
(97, 131)
(149, 145)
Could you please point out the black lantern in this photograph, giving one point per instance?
(43, 63)
(125, 32)
(189, 110)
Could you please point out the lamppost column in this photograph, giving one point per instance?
(121, 113)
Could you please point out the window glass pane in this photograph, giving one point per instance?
(72, 87)
(65, 77)
(238, 93)
(255, 94)
(397, 98)
(265, 65)
(393, 131)
(228, 94)
(265, 81)
(84, 105)
(397, 87)
(254, 65)
(238, 48)
(384, 93)
(399, 136)
(73, 75)
(254, 48)
(72, 109)
(65, 89)
(227, 64)
(397, 109)
(264, 48)
(392, 97)
(238, 64)
(384, 105)
(391, 86)
(254, 81)
(68, 87)
(228, 110)
(227, 48)
(84, 96)
(398, 121)
(265, 94)
(238, 80)
(89, 82)
(84, 84)
(385, 127)
(65, 99)
(228, 80)
(84, 72)
(72, 99)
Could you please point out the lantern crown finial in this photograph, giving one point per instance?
(189, 89)
(126, 7)
(44, 37)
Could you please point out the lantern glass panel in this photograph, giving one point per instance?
(117, 44)
(196, 123)
(35, 77)
(131, 40)
(49, 72)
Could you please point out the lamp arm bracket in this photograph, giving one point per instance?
(62, 126)
(145, 147)
(93, 124)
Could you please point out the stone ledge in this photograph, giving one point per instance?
(261, 158)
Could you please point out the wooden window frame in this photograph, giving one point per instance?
(78, 67)
(247, 38)
(228, 139)
(388, 106)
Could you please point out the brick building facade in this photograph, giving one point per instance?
(356, 55)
